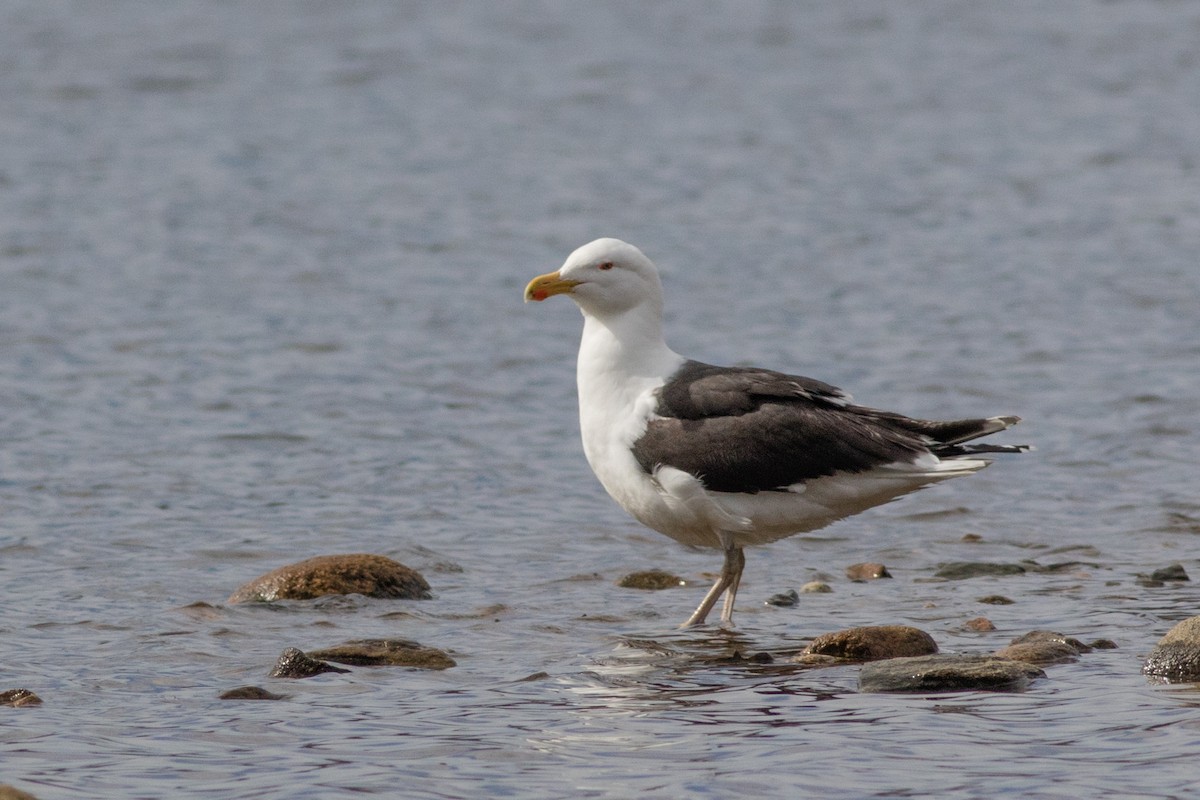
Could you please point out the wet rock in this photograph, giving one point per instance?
(358, 573)
(1176, 657)
(386, 653)
(652, 580)
(18, 698)
(979, 624)
(1175, 572)
(1103, 644)
(295, 663)
(971, 538)
(960, 570)
(784, 599)
(250, 693)
(1045, 652)
(13, 793)
(947, 673)
(816, 587)
(1052, 636)
(872, 642)
(996, 600)
(868, 571)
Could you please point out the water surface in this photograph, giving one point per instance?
(262, 268)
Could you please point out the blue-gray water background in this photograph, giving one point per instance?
(260, 299)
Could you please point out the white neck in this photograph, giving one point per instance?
(625, 346)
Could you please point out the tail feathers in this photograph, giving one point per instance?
(961, 450)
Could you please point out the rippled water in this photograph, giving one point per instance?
(262, 267)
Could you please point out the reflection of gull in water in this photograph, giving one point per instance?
(727, 457)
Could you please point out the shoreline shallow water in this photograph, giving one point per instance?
(262, 302)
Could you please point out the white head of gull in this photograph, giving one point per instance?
(727, 457)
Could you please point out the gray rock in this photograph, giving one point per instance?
(1053, 637)
(356, 573)
(784, 599)
(960, 570)
(947, 673)
(816, 587)
(1175, 572)
(1046, 652)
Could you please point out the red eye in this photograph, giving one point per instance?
(606, 265)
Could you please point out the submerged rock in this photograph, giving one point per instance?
(1046, 652)
(996, 600)
(1039, 636)
(651, 579)
(960, 570)
(979, 624)
(295, 663)
(386, 653)
(358, 573)
(1176, 657)
(816, 587)
(871, 643)
(947, 673)
(19, 697)
(1175, 572)
(250, 693)
(868, 571)
(784, 599)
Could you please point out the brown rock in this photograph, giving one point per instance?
(13, 793)
(872, 643)
(981, 624)
(867, 571)
(996, 600)
(652, 579)
(295, 663)
(360, 573)
(19, 697)
(386, 653)
(1176, 657)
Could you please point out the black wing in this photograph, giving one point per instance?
(742, 429)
